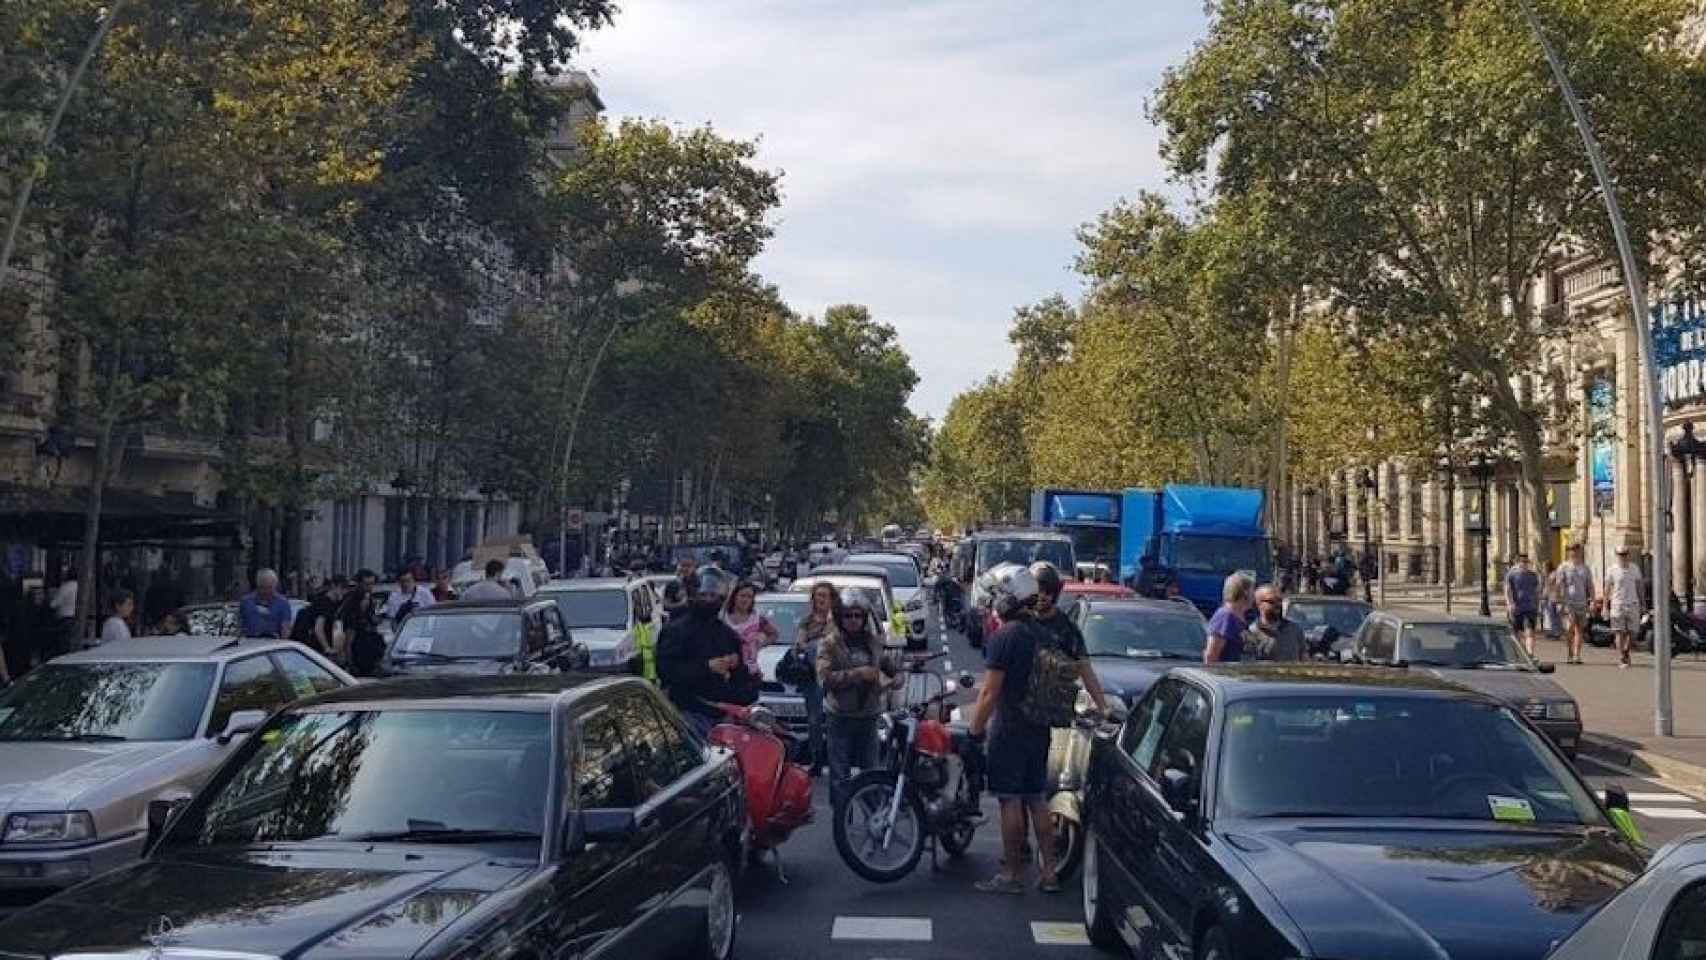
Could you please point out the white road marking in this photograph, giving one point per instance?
(1668, 813)
(1053, 934)
(917, 929)
(1659, 798)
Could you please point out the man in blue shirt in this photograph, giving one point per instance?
(1522, 600)
(1226, 628)
(264, 612)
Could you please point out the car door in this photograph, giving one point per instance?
(1120, 817)
(303, 676)
(558, 647)
(247, 683)
(597, 889)
(1175, 874)
(677, 798)
(1682, 936)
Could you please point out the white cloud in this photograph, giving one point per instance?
(938, 155)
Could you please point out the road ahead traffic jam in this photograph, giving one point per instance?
(215, 796)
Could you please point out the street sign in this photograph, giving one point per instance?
(577, 518)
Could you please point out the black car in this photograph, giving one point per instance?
(1327, 622)
(1132, 642)
(484, 637)
(1314, 810)
(474, 817)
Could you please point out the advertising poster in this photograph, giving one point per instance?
(1602, 442)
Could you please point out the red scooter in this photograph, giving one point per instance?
(778, 792)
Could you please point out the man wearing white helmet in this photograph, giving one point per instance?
(1026, 666)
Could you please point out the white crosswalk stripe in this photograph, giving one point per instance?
(909, 929)
(1668, 813)
(1659, 798)
(1058, 934)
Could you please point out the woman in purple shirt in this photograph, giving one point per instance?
(1226, 627)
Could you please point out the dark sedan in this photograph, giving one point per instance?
(1132, 642)
(1327, 621)
(469, 818)
(1311, 810)
(485, 637)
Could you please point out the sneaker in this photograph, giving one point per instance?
(1623, 666)
(1009, 886)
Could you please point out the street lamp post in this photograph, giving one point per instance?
(1688, 450)
(404, 482)
(1366, 483)
(1309, 493)
(1484, 473)
(1447, 565)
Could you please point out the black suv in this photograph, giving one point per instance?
(484, 637)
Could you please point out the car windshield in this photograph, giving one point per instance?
(1343, 617)
(1144, 634)
(900, 570)
(1025, 551)
(106, 701)
(1387, 756)
(1219, 554)
(480, 636)
(1461, 645)
(785, 615)
(1094, 544)
(372, 775)
(593, 609)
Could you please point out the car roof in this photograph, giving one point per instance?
(481, 606)
(845, 579)
(586, 583)
(1329, 601)
(780, 597)
(849, 570)
(1164, 608)
(1419, 615)
(1020, 533)
(1242, 681)
(532, 692)
(181, 646)
(878, 556)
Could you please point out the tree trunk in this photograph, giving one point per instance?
(87, 586)
(1277, 473)
(1538, 524)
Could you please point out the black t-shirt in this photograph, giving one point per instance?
(1012, 650)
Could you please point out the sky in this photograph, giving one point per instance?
(938, 156)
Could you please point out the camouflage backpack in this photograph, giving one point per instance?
(1051, 697)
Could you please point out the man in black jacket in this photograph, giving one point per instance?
(699, 661)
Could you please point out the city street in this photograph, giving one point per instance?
(827, 912)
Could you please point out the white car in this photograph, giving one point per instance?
(520, 574)
(1661, 916)
(785, 610)
(906, 581)
(609, 615)
(873, 590)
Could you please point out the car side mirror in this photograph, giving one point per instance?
(1176, 790)
(1616, 801)
(599, 825)
(967, 681)
(1548, 668)
(241, 724)
(160, 814)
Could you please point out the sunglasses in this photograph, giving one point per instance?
(853, 615)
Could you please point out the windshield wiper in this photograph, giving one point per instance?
(426, 655)
(1497, 664)
(94, 738)
(438, 834)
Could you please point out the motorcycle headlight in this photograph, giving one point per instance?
(67, 827)
(1083, 705)
(884, 726)
(1562, 710)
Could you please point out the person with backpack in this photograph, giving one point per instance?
(1032, 669)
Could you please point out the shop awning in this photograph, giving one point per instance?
(53, 517)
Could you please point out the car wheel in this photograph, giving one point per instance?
(718, 935)
(1213, 946)
(1098, 915)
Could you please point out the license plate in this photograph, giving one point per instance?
(787, 708)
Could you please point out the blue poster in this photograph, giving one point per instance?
(1602, 442)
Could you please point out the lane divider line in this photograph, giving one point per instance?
(1048, 933)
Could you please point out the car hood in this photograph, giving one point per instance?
(1402, 891)
(356, 902)
(600, 638)
(37, 775)
(1512, 686)
(454, 668)
(903, 595)
(1130, 679)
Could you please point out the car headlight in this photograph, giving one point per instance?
(1562, 710)
(68, 827)
(916, 603)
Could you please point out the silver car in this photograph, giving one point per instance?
(91, 741)
(1661, 916)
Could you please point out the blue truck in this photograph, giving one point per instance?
(1203, 534)
(1090, 517)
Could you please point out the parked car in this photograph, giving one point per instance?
(1477, 652)
(89, 739)
(609, 615)
(1132, 642)
(474, 817)
(1661, 916)
(906, 583)
(221, 619)
(1313, 810)
(484, 637)
(1329, 624)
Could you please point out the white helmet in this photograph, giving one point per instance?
(1013, 587)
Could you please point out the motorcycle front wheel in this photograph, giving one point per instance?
(862, 824)
(1068, 846)
(956, 840)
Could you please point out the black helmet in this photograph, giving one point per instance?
(1048, 578)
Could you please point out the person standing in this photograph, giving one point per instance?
(1573, 584)
(410, 595)
(753, 629)
(1276, 638)
(492, 587)
(315, 625)
(850, 669)
(1226, 628)
(64, 605)
(1623, 591)
(117, 624)
(441, 592)
(676, 596)
(1522, 600)
(1068, 637)
(699, 661)
(264, 612)
(363, 647)
(820, 622)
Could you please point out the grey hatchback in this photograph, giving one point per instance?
(90, 740)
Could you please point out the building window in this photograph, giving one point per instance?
(1415, 529)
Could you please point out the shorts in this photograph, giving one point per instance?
(1524, 620)
(1625, 621)
(1017, 767)
(1577, 614)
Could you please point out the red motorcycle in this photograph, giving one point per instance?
(778, 792)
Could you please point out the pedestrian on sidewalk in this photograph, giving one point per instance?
(1572, 583)
(1623, 592)
(1522, 600)
(117, 625)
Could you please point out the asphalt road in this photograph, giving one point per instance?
(826, 912)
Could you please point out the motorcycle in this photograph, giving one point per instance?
(778, 790)
(1068, 765)
(1687, 632)
(927, 795)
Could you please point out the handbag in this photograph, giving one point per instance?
(794, 669)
